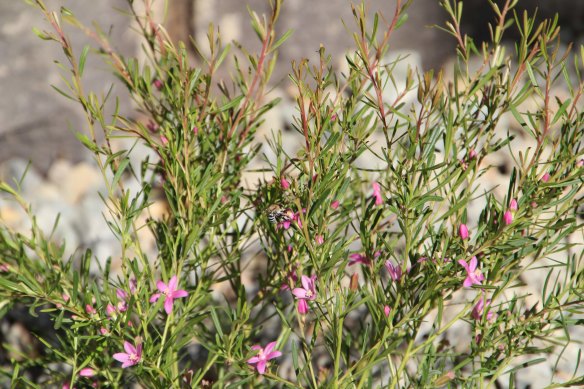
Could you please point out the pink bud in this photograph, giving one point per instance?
(335, 204)
(507, 217)
(285, 184)
(90, 310)
(513, 205)
(463, 231)
(152, 127)
(157, 84)
(87, 372)
(386, 310)
(580, 163)
(110, 310)
(195, 130)
(319, 239)
(164, 140)
(290, 248)
(103, 331)
(333, 117)
(546, 177)
(472, 154)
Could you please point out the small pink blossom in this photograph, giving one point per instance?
(284, 183)
(195, 130)
(472, 154)
(164, 140)
(463, 231)
(513, 205)
(477, 311)
(508, 217)
(473, 275)
(546, 177)
(87, 372)
(131, 357)
(386, 310)
(335, 204)
(170, 292)
(395, 272)
(157, 84)
(377, 193)
(90, 310)
(307, 292)
(263, 356)
(4, 268)
(319, 239)
(103, 331)
(356, 258)
(580, 164)
(110, 310)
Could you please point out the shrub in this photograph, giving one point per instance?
(348, 264)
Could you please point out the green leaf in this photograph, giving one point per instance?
(82, 59)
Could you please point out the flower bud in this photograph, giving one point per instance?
(463, 231)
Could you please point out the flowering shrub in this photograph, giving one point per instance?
(350, 275)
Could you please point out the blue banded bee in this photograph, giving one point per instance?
(277, 213)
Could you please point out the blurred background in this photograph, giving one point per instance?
(37, 124)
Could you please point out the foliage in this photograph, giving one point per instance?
(358, 268)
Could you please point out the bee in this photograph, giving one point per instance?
(276, 213)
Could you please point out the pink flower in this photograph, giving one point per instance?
(103, 331)
(319, 239)
(395, 272)
(263, 356)
(131, 357)
(87, 372)
(307, 292)
(377, 193)
(473, 275)
(508, 217)
(195, 130)
(513, 205)
(284, 183)
(477, 311)
(463, 231)
(472, 154)
(386, 310)
(358, 258)
(580, 163)
(546, 177)
(164, 140)
(169, 292)
(335, 204)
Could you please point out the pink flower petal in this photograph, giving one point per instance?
(154, 297)
(121, 357)
(306, 284)
(473, 264)
(274, 354)
(299, 293)
(180, 293)
(253, 360)
(168, 303)
(129, 347)
(173, 283)
(269, 347)
(261, 366)
(161, 286)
